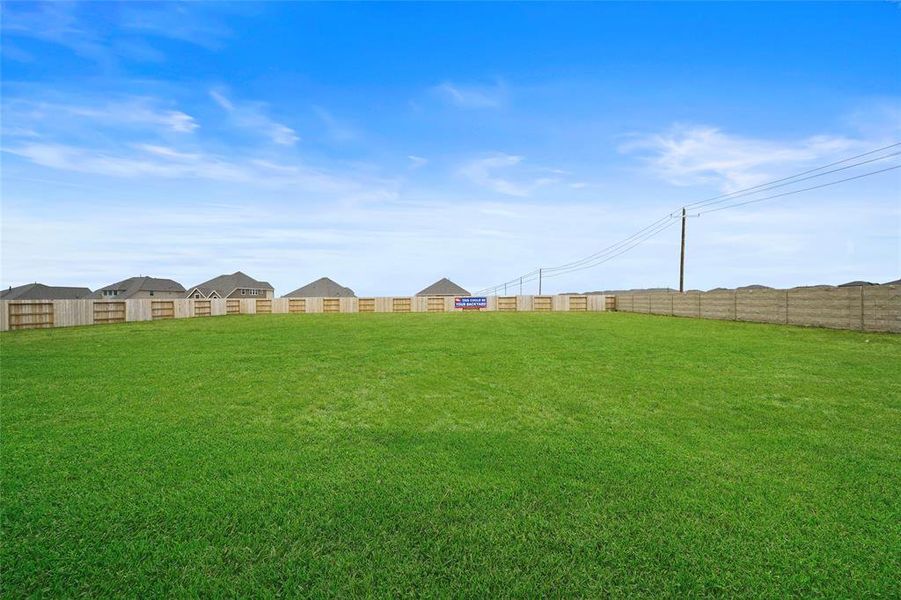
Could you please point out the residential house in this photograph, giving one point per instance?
(39, 291)
(321, 288)
(141, 287)
(443, 287)
(236, 285)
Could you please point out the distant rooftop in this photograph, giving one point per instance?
(321, 288)
(39, 291)
(443, 287)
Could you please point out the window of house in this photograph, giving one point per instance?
(242, 292)
(151, 293)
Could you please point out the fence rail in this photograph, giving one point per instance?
(32, 314)
(864, 308)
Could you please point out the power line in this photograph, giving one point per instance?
(815, 187)
(733, 195)
(820, 168)
(795, 179)
(658, 226)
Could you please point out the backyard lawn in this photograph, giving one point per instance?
(477, 454)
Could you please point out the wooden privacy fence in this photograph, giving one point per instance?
(33, 314)
(865, 308)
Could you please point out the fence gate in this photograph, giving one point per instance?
(506, 304)
(435, 304)
(31, 316)
(609, 302)
(400, 305)
(297, 305)
(264, 307)
(109, 312)
(202, 308)
(543, 303)
(366, 305)
(233, 307)
(578, 303)
(331, 305)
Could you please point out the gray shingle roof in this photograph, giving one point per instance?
(321, 288)
(226, 284)
(131, 286)
(39, 291)
(443, 287)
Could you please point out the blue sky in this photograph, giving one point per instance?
(389, 145)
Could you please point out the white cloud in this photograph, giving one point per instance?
(483, 172)
(252, 116)
(130, 110)
(703, 154)
(156, 161)
(109, 36)
(336, 130)
(472, 96)
(417, 162)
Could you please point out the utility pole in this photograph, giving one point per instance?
(539, 281)
(682, 257)
(505, 289)
(520, 286)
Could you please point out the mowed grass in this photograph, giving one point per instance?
(476, 455)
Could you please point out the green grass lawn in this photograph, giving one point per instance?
(479, 454)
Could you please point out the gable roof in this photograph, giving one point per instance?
(226, 284)
(443, 287)
(321, 288)
(131, 286)
(39, 291)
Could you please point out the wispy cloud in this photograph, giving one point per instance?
(194, 24)
(56, 23)
(472, 96)
(417, 162)
(156, 161)
(484, 173)
(55, 117)
(691, 155)
(108, 36)
(336, 130)
(252, 116)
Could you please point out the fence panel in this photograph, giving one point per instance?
(162, 309)
(401, 304)
(30, 315)
(578, 303)
(203, 308)
(331, 305)
(109, 312)
(506, 303)
(542, 303)
(297, 305)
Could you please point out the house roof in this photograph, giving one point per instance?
(226, 284)
(39, 291)
(131, 286)
(443, 287)
(321, 288)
